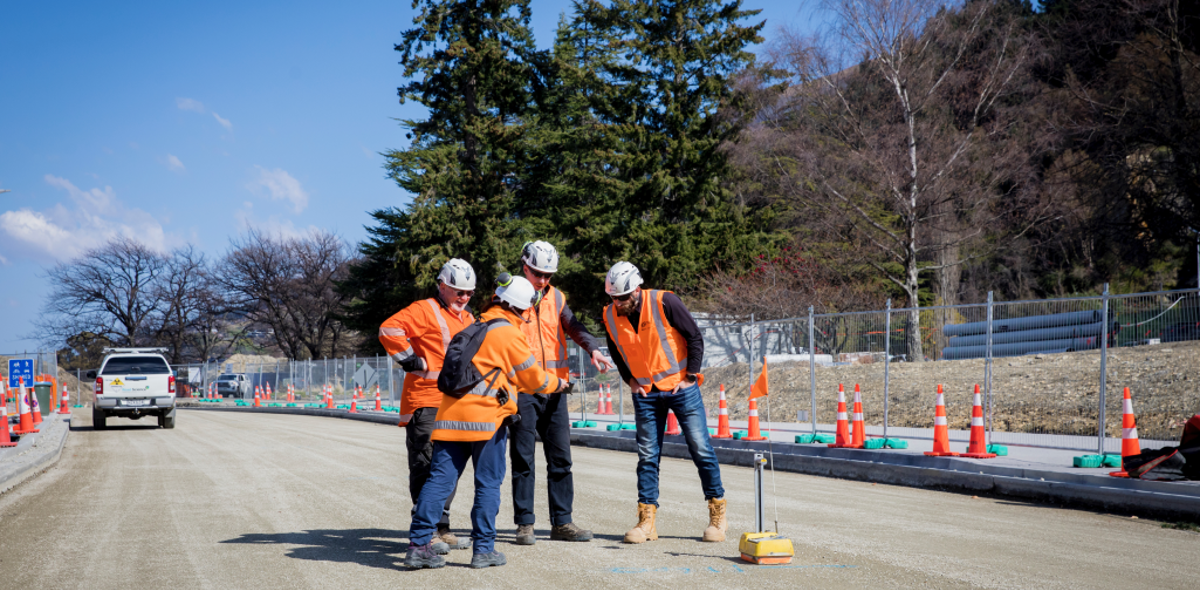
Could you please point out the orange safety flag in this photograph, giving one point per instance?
(760, 385)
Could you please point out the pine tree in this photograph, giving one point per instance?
(658, 80)
(470, 63)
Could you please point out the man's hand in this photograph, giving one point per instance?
(636, 387)
(687, 381)
(601, 362)
(413, 364)
(564, 386)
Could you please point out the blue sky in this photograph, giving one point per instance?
(181, 123)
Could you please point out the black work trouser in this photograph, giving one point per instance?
(420, 457)
(547, 416)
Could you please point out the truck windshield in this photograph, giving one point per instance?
(136, 365)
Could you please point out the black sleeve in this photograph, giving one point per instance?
(615, 353)
(681, 319)
(577, 331)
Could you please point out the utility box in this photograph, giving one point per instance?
(42, 390)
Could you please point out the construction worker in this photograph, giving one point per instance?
(547, 325)
(659, 353)
(472, 427)
(416, 339)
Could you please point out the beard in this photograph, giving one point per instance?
(626, 308)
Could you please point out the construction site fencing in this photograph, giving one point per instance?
(1050, 372)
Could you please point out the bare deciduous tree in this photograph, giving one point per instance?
(108, 291)
(287, 285)
(909, 147)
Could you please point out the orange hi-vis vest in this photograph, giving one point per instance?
(657, 353)
(424, 329)
(545, 335)
(477, 414)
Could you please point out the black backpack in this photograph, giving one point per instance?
(459, 375)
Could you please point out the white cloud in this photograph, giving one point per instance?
(173, 164)
(188, 104)
(224, 122)
(89, 219)
(280, 185)
(272, 226)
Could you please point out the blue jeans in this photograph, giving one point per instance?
(449, 460)
(650, 412)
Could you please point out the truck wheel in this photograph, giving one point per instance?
(99, 420)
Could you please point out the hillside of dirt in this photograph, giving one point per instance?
(1050, 394)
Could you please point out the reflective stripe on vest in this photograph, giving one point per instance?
(610, 320)
(437, 313)
(463, 425)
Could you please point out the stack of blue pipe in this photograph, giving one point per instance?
(1059, 332)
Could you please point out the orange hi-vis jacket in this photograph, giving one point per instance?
(424, 329)
(656, 354)
(543, 330)
(476, 415)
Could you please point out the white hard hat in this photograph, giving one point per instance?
(458, 274)
(540, 256)
(519, 293)
(622, 279)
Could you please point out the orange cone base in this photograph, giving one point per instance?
(7, 444)
(24, 432)
(936, 454)
(719, 435)
(849, 446)
(1118, 474)
(978, 455)
(754, 438)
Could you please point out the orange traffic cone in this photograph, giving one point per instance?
(35, 408)
(257, 396)
(722, 417)
(754, 433)
(25, 426)
(267, 391)
(608, 409)
(977, 449)
(291, 394)
(673, 424)
(600, 402)
(5, 437)
(64, 405)
(941, 430)
(354, 405)
(842, 438)
(328, 397)
(1129, 436)
(858, 433)
(378, 400)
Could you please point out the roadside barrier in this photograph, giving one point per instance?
(753, 431)
(842, 438)
(1129, 435)
(25, 425)
(977, 449)
(673, 424)
(5, 437)
(941, 430)
(723, 417)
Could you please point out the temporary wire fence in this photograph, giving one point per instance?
(1050, 372)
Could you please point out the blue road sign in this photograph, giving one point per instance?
(20, 368)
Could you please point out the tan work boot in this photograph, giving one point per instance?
(449, 538)
(715, 533)
(644, 531)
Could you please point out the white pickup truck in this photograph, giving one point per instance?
(132, 383)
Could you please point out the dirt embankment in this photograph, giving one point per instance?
(1050, 394)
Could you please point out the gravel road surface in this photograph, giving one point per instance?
(264, 501)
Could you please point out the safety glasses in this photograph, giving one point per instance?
(621, 298)
(541, 275)
(458, 293)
